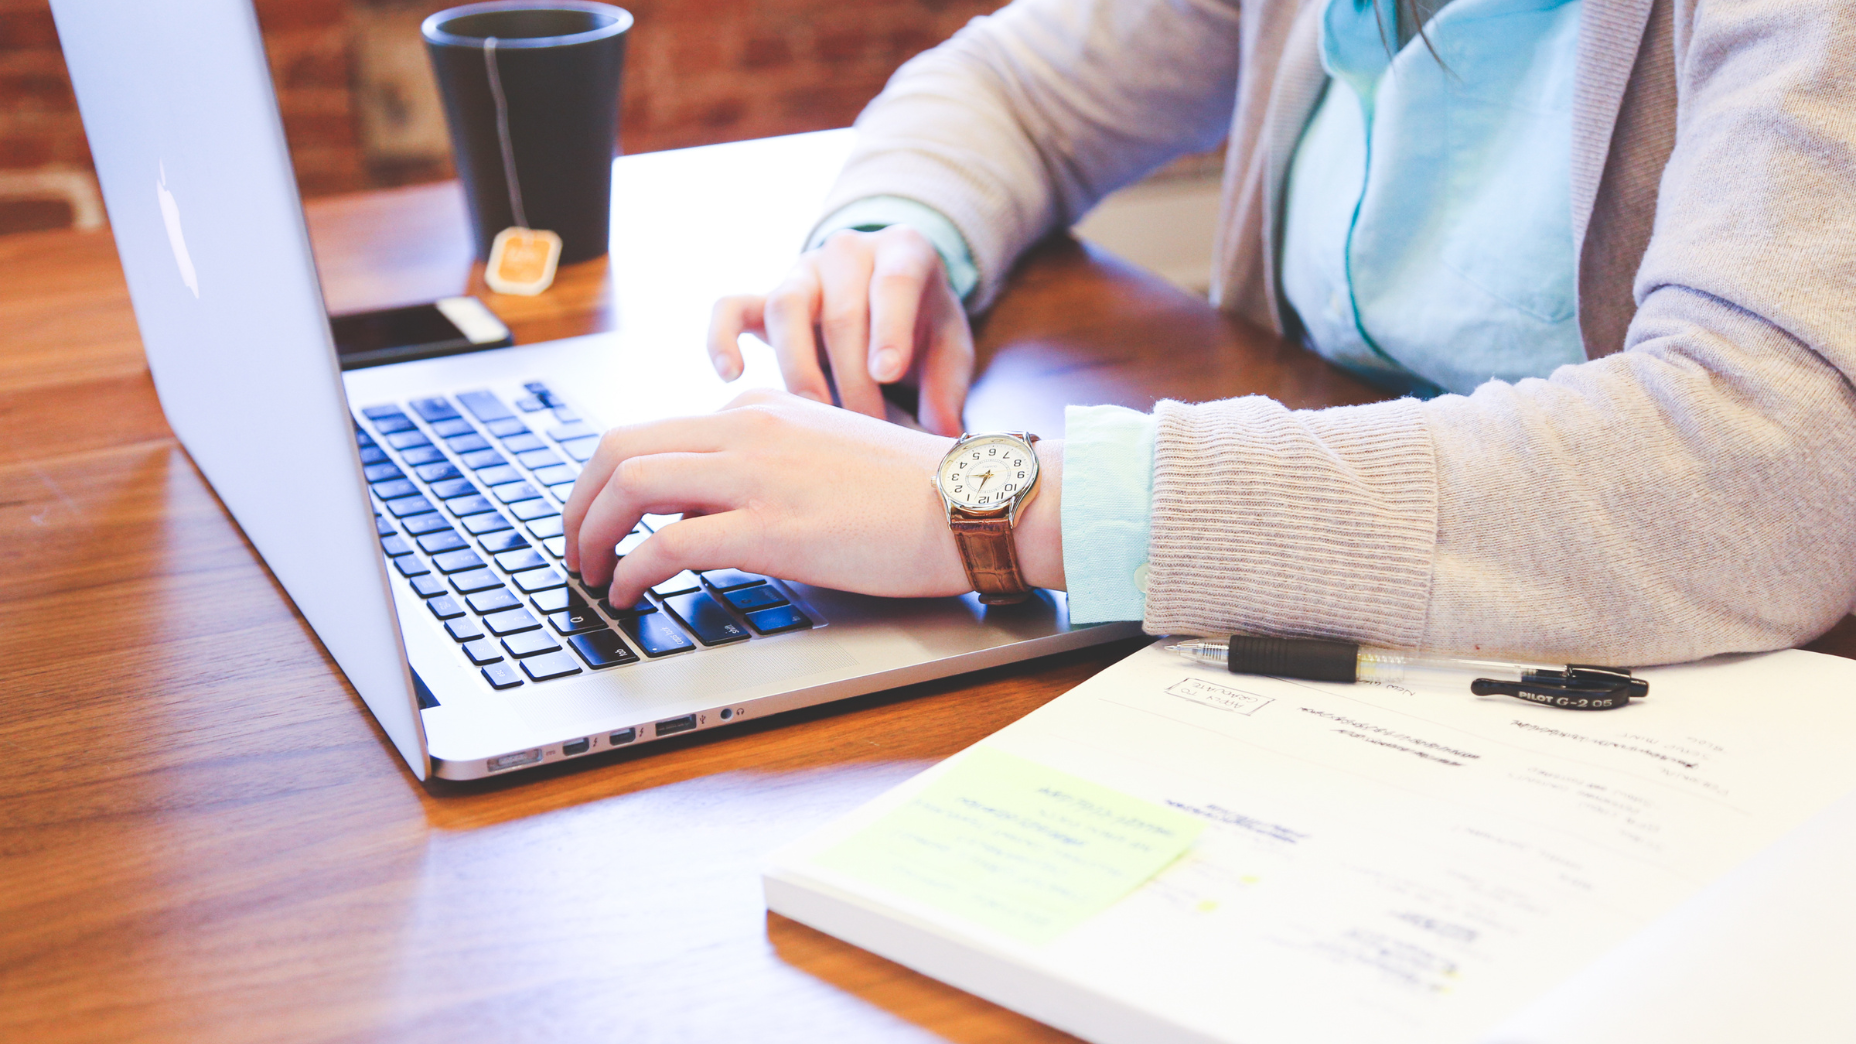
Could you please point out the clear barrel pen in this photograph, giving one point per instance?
(1571, 686)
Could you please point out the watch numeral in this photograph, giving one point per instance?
(984, 497)
(960, 489)
(1010, 486)
(976, 454)
(1021, 474)
(993, 451)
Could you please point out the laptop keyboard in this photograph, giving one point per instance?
(468, 492)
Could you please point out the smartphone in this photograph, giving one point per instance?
(447, 327)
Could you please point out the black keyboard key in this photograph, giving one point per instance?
(456, 426)
(382, 526)
(631, 541)
(576, 620)
(556, 474)
(371, 455)
(493, 601)
(531, 643)
(729, 579)
(410, 566)
(408, 440)
(538, 580)
(511, 621)
(471, 505)
(535, 387)
(387, 489)
(482, 459)
(513, 492)
(506, 427)
(549, 665)
(457, 561)
(581, 449)
(501, 676)
(393, 424)
(529, 510)
(404, 506)
(498, 475)
(457, 487)
(464, 629)
(483, 651)
(760, 596)
(706, 617)
(530, 404)
(780, 618)
(562, 492)
(556, 546)
(445, 607)
(420, 455)
(556, 599)
(473, 581)
(490, 522)
(419, 525)
(535, 460)
(543, 528)
(507, 540)
(602, 649)
(523, 443)
(382, 472)
(439, 542)
(516, 561)
(428, 586)
(485, 406)
(470, 443)
(682, 583)
(565, 415)
(377, 412)
(655, 635)
(576, 430)
(395, 546)
(438, 472)
(642, 607)
(434, 409)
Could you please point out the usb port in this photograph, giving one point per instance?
(509, 761)
(622, 736)
(578, 746)
(675, 725)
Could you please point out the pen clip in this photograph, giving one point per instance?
(1578, 687)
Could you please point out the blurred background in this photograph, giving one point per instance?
(361, 110)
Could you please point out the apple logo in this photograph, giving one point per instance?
(170, 216)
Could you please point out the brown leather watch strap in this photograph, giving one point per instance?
(991, 557)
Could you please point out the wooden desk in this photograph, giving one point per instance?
(204, 836)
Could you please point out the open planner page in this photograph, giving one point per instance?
(1173, 852)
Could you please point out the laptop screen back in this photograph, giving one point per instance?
(183, 124)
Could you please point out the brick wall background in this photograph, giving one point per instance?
(360, 111)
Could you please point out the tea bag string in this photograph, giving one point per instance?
(502, 132)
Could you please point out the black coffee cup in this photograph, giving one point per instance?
(556, 65)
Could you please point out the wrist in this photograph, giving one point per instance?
(1039, 533)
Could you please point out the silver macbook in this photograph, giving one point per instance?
(412, 510)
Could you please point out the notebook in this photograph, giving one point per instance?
(1170, 852)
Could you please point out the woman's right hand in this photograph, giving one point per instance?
(881, 304)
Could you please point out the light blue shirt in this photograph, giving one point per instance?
(1427, 245)
(1427, 240)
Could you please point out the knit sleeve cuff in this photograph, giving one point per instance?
(1297, 523)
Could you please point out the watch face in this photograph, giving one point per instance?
(987, 473)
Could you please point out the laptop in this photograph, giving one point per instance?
(412, 510)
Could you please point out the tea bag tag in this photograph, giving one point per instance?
(522, 261)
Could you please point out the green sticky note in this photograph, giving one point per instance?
(1010, 844)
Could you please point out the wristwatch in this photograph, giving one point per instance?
(985, 481)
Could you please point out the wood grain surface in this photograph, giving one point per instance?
(204, 836)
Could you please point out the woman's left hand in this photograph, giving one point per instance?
(781, 485)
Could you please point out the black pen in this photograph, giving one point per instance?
(1574, 686)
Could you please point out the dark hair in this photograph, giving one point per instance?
(1401, 9)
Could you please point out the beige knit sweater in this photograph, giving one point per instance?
(1690, 490)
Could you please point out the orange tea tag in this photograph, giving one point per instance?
(522, 261)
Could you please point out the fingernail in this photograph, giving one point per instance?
(724, 368)
(885, 363)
